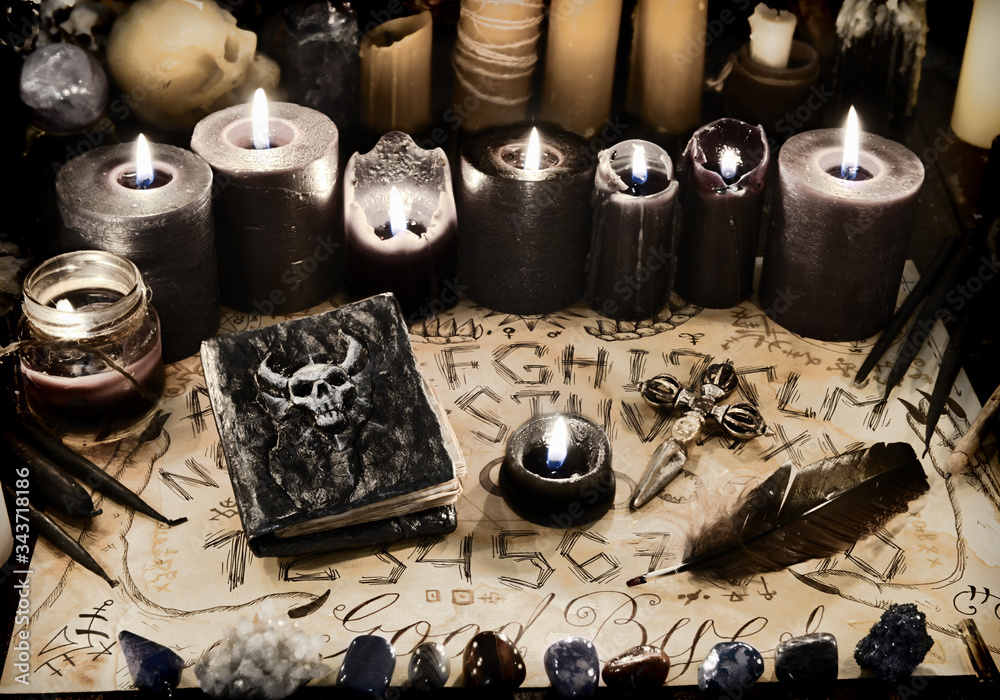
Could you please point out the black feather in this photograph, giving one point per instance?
(799, 514)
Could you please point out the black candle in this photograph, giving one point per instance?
(415, 257)
(631, 263)
(165, 228)
(836, 247)
(524, 232)
(723, 171)
(557, 470)
(275, 213)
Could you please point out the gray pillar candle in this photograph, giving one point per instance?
(631, 263)
(165, 229)
(524, 233)
(275, 213)
(416, 264)
(723, 171)
(836, 248)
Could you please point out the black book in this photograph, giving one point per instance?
(332, 437)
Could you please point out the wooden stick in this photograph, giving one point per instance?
(969, 443)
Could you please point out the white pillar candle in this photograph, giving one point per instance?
(976, 118)
(580, 64)
(771, 36)
(396, 75)
(668, 63)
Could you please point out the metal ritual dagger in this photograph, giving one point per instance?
(664, 393)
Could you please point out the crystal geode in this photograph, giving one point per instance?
(266, 657)
(896, 644)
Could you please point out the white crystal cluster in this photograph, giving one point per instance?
(267, 657)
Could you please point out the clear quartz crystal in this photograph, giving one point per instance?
(266, 657)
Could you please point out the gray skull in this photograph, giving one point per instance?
(325, 390)
(336, 395)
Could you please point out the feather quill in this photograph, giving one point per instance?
(807, 513)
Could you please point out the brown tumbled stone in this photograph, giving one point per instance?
(640, 668)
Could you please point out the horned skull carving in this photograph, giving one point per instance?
(336, 394)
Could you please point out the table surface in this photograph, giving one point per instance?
(946, 209)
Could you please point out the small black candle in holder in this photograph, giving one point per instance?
(557, 471)
(524, 218)
(723, 171)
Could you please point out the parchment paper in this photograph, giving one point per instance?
(183, 586)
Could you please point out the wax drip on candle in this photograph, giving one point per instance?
(558, 445)
(533, 156)
(261, 121)
(729, 164)
(143, 164)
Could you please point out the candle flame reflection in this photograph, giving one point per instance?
(849, 161)
(261, 121)
(558, 444)
(533, 156)
(143, 164)
(640, 171)
(397, 213)
(729, 163)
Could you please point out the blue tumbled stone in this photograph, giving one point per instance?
(730, 668)
(429, 667)
(573, 667)
(811, 658)
(367, 667)
(153, 666)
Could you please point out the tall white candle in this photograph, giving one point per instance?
(771, 36)
(976, 118)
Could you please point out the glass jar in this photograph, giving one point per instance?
(90, 352)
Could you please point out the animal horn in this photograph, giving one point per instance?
(355, 350)
(269, 380)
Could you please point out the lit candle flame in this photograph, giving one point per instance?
(143, 164)
(533, 157)
(397, 213)
(261, 121)
(64, 304)
(849, 162)
(639, 169)
(558, 444)
(729, 163)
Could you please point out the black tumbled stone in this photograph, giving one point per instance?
(811, 658)
(896, 644)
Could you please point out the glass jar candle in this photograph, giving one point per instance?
(90, 350)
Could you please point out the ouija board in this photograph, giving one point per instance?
(183, 586)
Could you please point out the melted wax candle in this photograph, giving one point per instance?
(401, 239)
(723, 171)
(631, 263)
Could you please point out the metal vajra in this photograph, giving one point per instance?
(664, 393)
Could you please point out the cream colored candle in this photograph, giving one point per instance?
(580, 63)
(668, 62)
(771, 36)
(494, 57)
(976, 118)
(396, 75)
